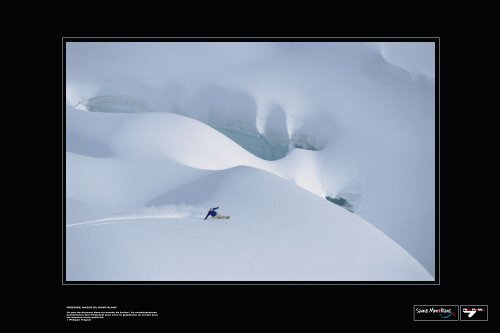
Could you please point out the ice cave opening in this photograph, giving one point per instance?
(273, 144)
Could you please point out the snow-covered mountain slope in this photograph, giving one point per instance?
(352, 122)
(307, 238)
(177, 167)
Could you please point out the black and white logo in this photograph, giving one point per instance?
(473, 312)
(435, 312)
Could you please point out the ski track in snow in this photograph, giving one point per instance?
(164, 212)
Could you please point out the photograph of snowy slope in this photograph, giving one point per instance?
(250, 161)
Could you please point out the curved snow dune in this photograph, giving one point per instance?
(197, 145)
(306, 238)
(162, 143)
(180, 139)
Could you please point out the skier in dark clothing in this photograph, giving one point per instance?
(211, 212)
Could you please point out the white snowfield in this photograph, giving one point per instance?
(308, 238)
(265, 131)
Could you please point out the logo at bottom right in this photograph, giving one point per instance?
(473, 312)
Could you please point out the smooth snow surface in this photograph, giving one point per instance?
(170, 241)
(157, 133)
